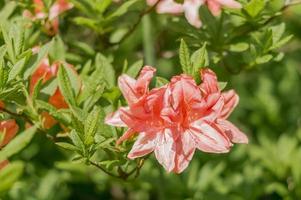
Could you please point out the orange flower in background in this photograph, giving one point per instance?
(3, 164)
(52, 18)
(176, 119)
(10, 129)
(47, 71)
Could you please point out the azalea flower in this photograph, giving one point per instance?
(3, 164)
(215, 6)
(176, 119)
(191, 8)
(47, 71)
(9, 128)
(52, 18)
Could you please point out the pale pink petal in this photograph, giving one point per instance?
(152, 2)
(191, 10)
(229, 3)
(184, 90)
(169, 6)
(145, 144)
(210, 83)
(127, 135)
(232, 131)
(127, 87)
(114, 119)
(185, 148)
(144, 80)
(59, 7)
(165, 150)
(209, 138)
(231, 100)
(214, 7)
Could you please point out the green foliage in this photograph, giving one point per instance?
(77, 156)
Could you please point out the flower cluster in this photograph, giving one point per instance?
(48, 71)
(177, 118)
(51, 20)
(9, 128)
(191, 8)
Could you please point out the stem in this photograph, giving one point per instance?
(103, 169)
(148, 41)
(133, 28)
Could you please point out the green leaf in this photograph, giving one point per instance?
(36, 59)
(264, 59)
(123, 9)
(18, 143)
(8, 42)
(103, 64)
(160, 81)
(37, 89)
(91, 125)
(77, 141)
(42, 105)
(3, 75)
(134, 70)
(254, 7)
(65, 86)
(199, 59)
(7, 10)
(10, 174)
(16, 69)
(67, 146)
(57, 50)
(222, 85)
(185, 58)
(239, 47)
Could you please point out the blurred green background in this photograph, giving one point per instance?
(268, 168)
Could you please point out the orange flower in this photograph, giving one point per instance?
(9, 128)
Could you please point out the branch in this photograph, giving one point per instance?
(133, 28)
(103, 169)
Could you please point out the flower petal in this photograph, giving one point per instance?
(185, 148)
(10, 129)
(191, 9)
(214, 7)
(231, 100)
(127, 87)
(127, 135)
(114, 119)
(165, 151)
(144, 79)
(230, 3)
(209, 138)
(210, 84)
(169, 6)
(235, 135)
(145, 144)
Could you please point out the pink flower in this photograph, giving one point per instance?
(58, 8)
(210, 87)
(191, 8)
(174, 120)
(52, 21)
(215, 6)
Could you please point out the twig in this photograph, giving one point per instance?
(133, 28)
(102, 169)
